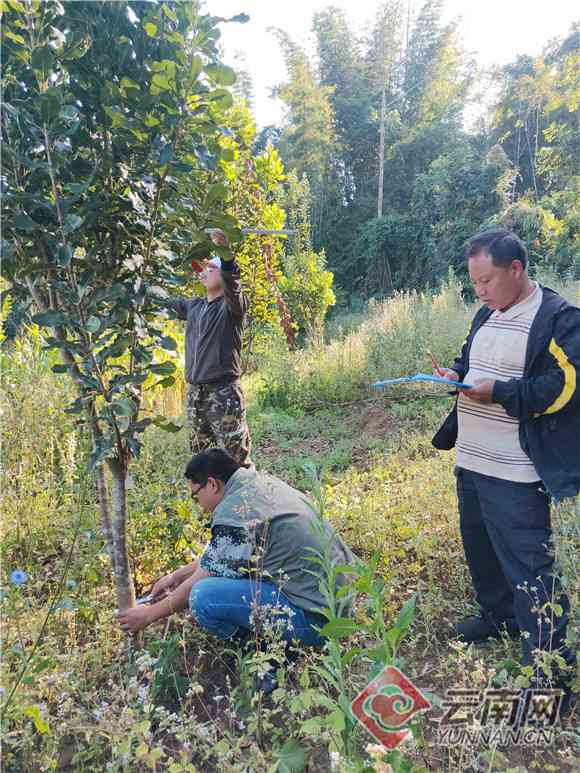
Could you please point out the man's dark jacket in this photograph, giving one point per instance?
(546, 400)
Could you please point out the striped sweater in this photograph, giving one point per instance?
(488, 438)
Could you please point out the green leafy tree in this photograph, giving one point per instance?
(308, 143)
(305, 283)
(111, 126)
(398, 106)
(254, 182)
(451, 200)
(344, 72)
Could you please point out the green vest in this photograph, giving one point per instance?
(286, 532)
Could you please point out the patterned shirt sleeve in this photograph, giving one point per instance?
(228, 552)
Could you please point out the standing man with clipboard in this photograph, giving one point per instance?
(517, 438)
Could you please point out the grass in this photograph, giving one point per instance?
(88, 702)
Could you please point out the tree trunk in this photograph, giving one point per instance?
(123, 577)
(105, 511)
(285, 318)
(382, 150)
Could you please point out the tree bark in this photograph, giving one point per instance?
(105, 512)
(382, 149)
(285, 318)
(123, 577)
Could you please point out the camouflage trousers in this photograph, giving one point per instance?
(216, 414)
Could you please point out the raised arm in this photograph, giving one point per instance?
(236, 301)
(179, 305)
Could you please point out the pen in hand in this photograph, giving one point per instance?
(436, 367)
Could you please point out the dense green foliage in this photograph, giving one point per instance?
(443, 179)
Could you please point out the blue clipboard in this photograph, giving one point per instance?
(419, 377)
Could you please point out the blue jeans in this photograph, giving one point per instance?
(223, 606)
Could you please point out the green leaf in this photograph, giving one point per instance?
(60, 368)
(71, 223)
(311, 726)
(42, 59)
(168, 343)
(150, 29)
(205, 158)
(103, 450)
(339, 628)
(406, 614)
(241, 18)
(196, 66)
(124, 407)
(107, 294)
(50, 319)
(292, 757)
(168, 381)
(166, 155)
(163, 368)
(116, 349)
(160, 83)
(49, 105)
(69, 113)
(336, 720)
(16, 6)
(127, 84)
(181, 167)
(76, 188)
(221, 74)
(166, 426)
(216, 192)
(64, 255)
(75, 407)
(24, 222)
(93, 324)
(18, 39)
(227, 154)
(169, 12)
(223, 97)
(77, 50)
(349, 656)
(117, 118)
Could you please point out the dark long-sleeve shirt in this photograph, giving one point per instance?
(213, 335)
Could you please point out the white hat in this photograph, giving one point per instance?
(215, 261)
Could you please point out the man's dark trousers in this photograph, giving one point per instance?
(506, 534)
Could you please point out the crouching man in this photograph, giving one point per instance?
(264, 535)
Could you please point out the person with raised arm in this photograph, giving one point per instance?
(216, 411)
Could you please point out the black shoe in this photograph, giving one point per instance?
(479, 628)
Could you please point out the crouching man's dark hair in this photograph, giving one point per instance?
(501, 245)
(214, 463)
